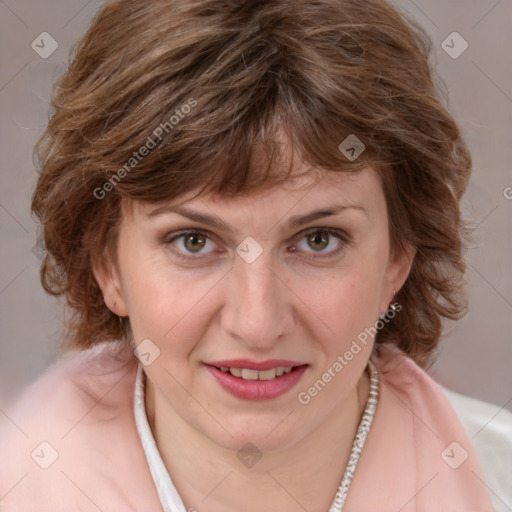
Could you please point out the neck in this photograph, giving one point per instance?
(210, 478)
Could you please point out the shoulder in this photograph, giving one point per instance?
(490, 428)
(451, 431)
(94, 379)
(418, 391)
(482, 419)
(70, 436)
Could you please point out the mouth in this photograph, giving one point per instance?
(257, 381)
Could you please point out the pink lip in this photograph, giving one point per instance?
(257, 389)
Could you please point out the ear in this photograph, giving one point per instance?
(107, 277)
(397, 272)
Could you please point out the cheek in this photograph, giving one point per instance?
(343, 304)
(167, 306)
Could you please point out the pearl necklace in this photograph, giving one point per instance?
(360, 439)
(169, 497)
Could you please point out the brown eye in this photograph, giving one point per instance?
(322, 242)
(318, 240)
(194, 242)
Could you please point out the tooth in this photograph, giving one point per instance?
(236, 372)
(267, 374)
(249, 374)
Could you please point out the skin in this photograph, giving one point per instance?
(298, 300)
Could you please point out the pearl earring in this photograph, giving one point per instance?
(392, 306)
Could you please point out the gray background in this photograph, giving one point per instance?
(477, 352)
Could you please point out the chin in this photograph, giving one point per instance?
(267, 434)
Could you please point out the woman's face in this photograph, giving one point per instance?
(287, 278)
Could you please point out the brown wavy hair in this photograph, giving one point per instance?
(201, 84)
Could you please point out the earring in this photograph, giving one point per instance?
(392, 306)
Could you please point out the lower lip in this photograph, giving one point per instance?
(257, 389)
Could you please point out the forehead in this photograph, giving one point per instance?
(306, 188)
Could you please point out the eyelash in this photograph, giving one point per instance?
(340, 235)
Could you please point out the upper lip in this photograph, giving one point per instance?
(254, 365)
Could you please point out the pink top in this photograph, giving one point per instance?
(70, 443)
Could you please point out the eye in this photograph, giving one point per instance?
(323, 241)
(191, 243)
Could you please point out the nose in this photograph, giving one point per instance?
(258, 308)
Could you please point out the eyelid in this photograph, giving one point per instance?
(340, 233)
(169, 237)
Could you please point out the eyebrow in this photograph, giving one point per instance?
(294, 222)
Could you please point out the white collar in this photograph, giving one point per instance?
(169, 497)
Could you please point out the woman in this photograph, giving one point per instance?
(252, 211)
